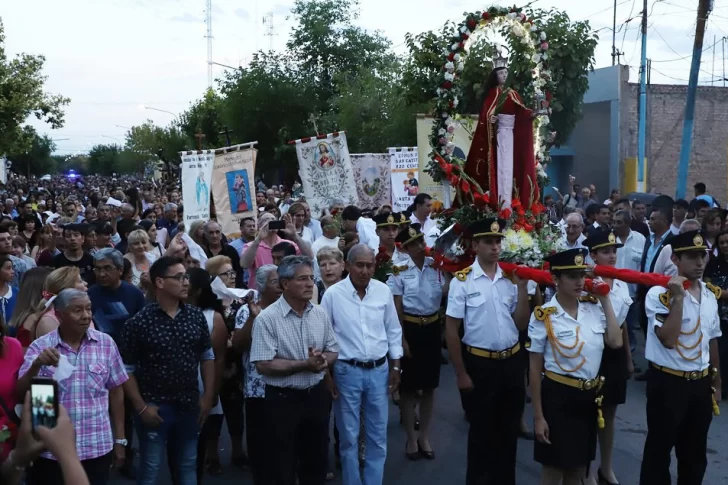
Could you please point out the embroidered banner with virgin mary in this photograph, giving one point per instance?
(326, 172)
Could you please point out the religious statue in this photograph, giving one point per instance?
(501, 158)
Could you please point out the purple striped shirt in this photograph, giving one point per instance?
(85, 394)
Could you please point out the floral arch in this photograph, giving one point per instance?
(528, 35)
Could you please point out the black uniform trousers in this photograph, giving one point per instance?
(679, 413)
(494, 408)
(298, 435)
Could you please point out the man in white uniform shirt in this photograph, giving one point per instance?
(367, 328)
(629, 256)
(682, 349)
(421, 210)
(487, 363)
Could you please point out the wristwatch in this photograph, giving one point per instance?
(397, 369)
(122, 442)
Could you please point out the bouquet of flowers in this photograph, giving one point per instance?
(382, 265)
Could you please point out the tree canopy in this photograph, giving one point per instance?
(22, 95)
(331, 76)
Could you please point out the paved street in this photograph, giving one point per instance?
(449, 440)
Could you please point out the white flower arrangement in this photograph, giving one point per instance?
(449, 66)
(520, 247)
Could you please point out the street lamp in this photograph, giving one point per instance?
(163, 111)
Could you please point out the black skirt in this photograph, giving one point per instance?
(422, 370)
(571, 415)
(614, 370)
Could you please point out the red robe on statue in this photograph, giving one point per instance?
(482, 162)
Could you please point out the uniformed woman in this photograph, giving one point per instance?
(418, 289)
(568, 336)
(617, 364)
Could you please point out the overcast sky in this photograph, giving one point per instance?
(114, 57)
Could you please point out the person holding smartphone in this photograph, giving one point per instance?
(93, 387)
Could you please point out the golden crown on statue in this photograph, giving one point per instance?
(501, 58)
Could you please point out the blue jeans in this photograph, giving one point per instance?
(181, 426)
(365, 389)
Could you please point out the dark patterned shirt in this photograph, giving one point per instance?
(164, 353)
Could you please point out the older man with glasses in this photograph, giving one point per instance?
(293, 346)
(163, 347)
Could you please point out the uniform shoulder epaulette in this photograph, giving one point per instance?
(588, 299)
(397, 269)
(462, 275)
(717, 291)
(541, 313)
(666, 298)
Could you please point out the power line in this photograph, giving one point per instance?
(606, 10)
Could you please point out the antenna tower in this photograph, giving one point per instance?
(269, 29)
(208, 21)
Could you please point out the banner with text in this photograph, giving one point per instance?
(325, 169)
(233, 189)
(371, 172)
(196, 177)
(461, 138)
(404, 166)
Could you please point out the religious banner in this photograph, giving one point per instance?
(461, 139)
(196, 176)
(371, 172)
(325, 169)
(233, 186)
(404, 166)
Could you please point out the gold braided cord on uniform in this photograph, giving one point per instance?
(680, 345)
(558, 346)
(665, 299)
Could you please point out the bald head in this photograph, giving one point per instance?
(574, 227)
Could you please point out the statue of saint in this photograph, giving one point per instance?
(501, 157)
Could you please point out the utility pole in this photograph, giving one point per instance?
(722, 45)
(270, 31)
(641, 129)
(712, 70)
(614, 35)
(208, 21)
(704, 8)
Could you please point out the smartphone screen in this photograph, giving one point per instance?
(276, 225)
(44, 403)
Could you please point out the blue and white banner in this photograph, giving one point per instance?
(196, 180)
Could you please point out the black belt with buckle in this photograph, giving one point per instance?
(369, 364)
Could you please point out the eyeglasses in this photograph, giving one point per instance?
(229, 274)
(179, 277)
(104, 269)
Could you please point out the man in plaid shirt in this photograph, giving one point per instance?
(94, 383)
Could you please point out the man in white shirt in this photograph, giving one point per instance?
(421, 213)
(568, 210)
(574, 236)
(629, 256)
(679, 213)
(330, 236)
(664, 264)
(366, 325)
(365, 228)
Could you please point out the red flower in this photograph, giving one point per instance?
(537, 208)
(479, 201)
(454, 180)
(447, 169)
(486, 198)
(505, 214)
(464, 36)
(472, 24)
(457, 228)
(517, 226)
(451, 56)
(528, 227)
(486, 15)
(465, 186)
(549, 96)
(447, 85)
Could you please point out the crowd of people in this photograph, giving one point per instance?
(165, 342)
